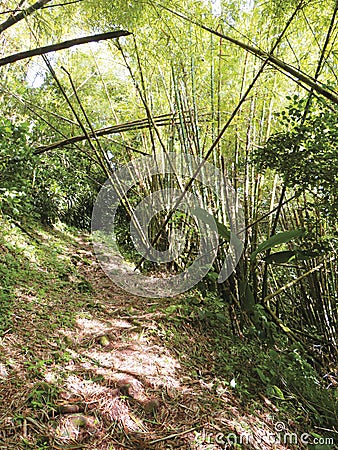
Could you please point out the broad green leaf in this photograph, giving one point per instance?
(308, 254)
(315, 435)
(280, 257)
(213, 276)
(288, 255)
(261, 375)
(277, 239)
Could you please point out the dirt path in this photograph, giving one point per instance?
(85, 365)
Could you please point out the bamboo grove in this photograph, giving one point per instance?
(242, 90)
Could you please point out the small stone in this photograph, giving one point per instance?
(104, 341)
(69, 409)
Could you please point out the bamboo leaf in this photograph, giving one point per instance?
(277, 239)
(288, 255)
(280, 257)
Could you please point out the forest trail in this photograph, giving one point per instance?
(207, 130)
(86, 365)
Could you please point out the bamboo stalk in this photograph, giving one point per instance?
(62, 45)
(271, 60)
(22, 14)
(224, 129)
(161, 121)
(293, 282)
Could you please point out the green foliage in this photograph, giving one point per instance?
(6, 305)
(200, 78)
(277, 239)
(207, 308)
(278, 369)
(43, 395)
(280, 257)
(104, 16)
(263, 327)
(305, 152)
(47, 188)
(287, 375)
(12, 271)
(16, 166)
(30, 273)
(290, 255)
(294, 375)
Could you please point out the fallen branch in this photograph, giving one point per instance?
(62, 45)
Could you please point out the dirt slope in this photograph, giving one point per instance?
(86, 365)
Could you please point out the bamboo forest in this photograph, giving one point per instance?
(168, 224)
